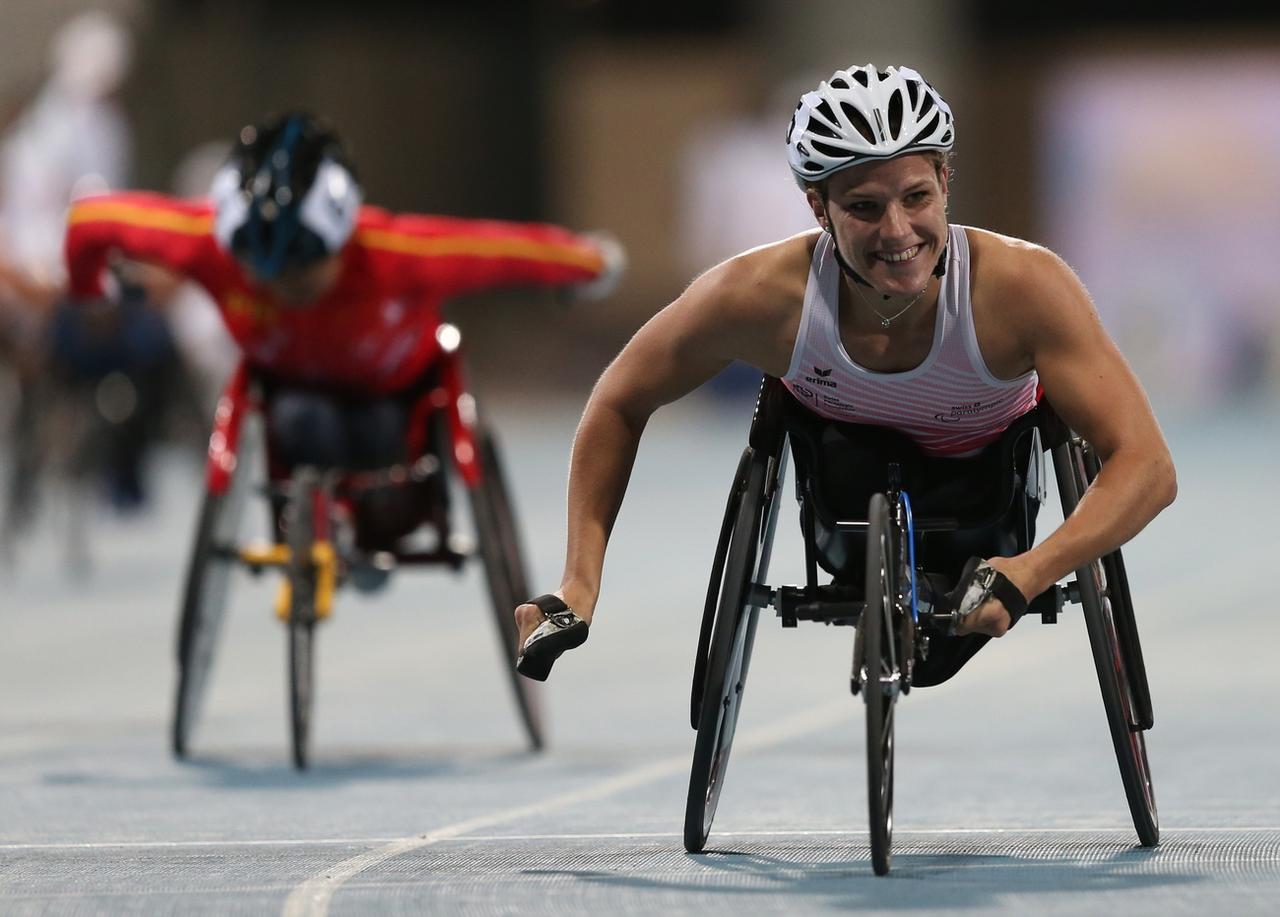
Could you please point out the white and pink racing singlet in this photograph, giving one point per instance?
(950, 404)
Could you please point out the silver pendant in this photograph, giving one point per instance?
(885, 322)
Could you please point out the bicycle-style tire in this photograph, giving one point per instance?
(300, 536)
(879, 679)
(1117, 579)
(1123, 719)
(714, 587)
(506, 576)
(732, 638)
(205, 595)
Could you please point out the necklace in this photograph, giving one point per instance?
(886, 320)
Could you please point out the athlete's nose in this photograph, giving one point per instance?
(894, 223)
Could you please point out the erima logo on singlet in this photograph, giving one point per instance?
(820, 378)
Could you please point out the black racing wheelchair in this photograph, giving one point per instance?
(890, 559)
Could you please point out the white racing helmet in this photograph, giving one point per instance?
(864, 114)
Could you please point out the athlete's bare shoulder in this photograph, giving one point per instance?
(767, 277)
(1001, 257)
(754, 299)
(1029, 295)
(1019, 280)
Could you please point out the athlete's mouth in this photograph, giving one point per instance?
(898, 257)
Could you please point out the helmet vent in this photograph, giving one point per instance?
(827, 149)
(839, 83)
(861, 77)
(913, 93)
(811, 166)
(817, 127)
(926, 105)
(928, 128)
(945, 138)
(859, 122)
(824, 108)
(882, 75)
(895, 114)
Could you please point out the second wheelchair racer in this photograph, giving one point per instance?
(334, 303)
(889, 315)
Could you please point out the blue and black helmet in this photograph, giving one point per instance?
(287, 197)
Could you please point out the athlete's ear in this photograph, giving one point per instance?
(818, 206)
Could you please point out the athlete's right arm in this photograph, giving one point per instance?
(736, 311)
(676, 351)
(138, 226)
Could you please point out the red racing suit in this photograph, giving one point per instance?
(374, 332)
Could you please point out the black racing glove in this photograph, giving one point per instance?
(978, 582)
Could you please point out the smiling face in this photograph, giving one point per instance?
(889, 218)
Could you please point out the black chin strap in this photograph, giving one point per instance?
(939, 269)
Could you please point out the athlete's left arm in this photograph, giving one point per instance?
(454, 256)
(1092, 388)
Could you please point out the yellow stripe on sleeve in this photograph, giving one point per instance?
(189, 224)
(481, 247)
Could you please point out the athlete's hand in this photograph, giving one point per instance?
(529, 616)
(991, 617)
(615, 265)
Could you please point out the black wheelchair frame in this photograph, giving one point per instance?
(890, 642)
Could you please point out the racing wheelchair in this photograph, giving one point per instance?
(891, 562)
(317, 520)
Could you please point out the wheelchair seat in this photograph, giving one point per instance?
(984, 504)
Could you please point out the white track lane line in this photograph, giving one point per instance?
(312, 897)
(634, 835)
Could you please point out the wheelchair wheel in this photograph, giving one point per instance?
(713, 592)
(880, 678)
(1126, 623)
(746, 562)
(505, 574)
(205, 594)
(304, 492)
(1105, 600)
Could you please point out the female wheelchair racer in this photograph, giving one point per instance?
(888, 315)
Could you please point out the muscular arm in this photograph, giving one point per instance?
(1093, 389)
(732, 312)
(455, 256)
(150, 228)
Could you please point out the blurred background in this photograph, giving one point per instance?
(1139, 140)
(1140, 144)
